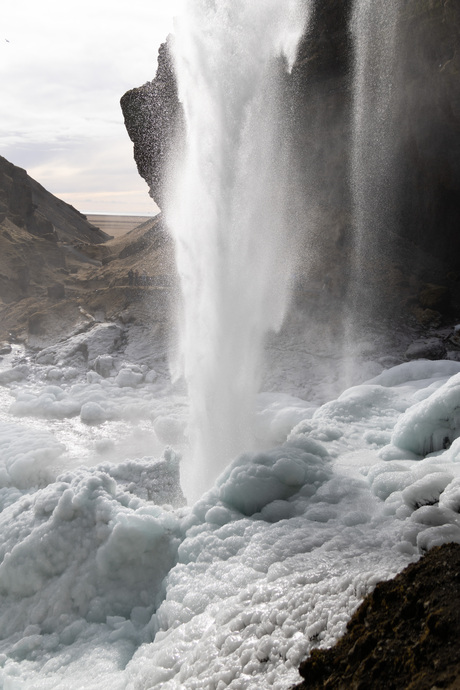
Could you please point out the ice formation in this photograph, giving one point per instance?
(109, 581)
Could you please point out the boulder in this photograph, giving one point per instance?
(432, 348)
(435, 297)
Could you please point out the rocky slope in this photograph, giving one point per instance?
(37, 234)
(58, 272)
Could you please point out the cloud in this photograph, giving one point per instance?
(62, 73)
(92, 175)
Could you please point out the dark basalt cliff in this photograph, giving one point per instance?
(153, 118)
(424, 130)
(427, 121)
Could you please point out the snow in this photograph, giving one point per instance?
(108, 580)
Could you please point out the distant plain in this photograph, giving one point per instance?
(116, 225)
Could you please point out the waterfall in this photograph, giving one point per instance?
(373, 174)
(227, 212)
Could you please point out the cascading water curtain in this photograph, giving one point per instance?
(227, 211)
(374, 33)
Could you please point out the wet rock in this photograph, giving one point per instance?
(436, 297)
(453, 355)
(433, 348)
(83, 348)
(429, 318)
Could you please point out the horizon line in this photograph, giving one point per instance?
(113, 213)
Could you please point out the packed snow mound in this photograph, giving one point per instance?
(28, 458)
(432, 424)
(261, 482)
(88, 547)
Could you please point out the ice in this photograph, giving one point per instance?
(109, 581)
(426, 491)
(86, 346)
(252, 482)
(17, 373)
(431, 424)
(86, 556)
(128, 378)
(26, 457)
(278, 414)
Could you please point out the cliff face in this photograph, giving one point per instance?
(428, 123)
(416, 203)
(153, 119)
(423, 128)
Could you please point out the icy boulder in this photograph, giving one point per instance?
(431, 424)
(92, 413)
(128, 378)
(86, 547)
(103, 365)
(82, 348)
(427, 490)
(157, 481)
(255, 481)
(27, 457)
(14, 374)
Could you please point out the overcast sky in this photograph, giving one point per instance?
(64, 66)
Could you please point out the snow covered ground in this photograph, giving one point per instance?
(108, 580)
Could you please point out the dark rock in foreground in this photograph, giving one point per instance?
(406, 634)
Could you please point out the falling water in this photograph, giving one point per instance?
(373, 147)
(227, 211)
(373, 173)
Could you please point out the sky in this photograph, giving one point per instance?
(63, 69)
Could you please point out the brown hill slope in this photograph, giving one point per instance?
(57, 269)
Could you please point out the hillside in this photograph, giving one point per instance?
(57, 270)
